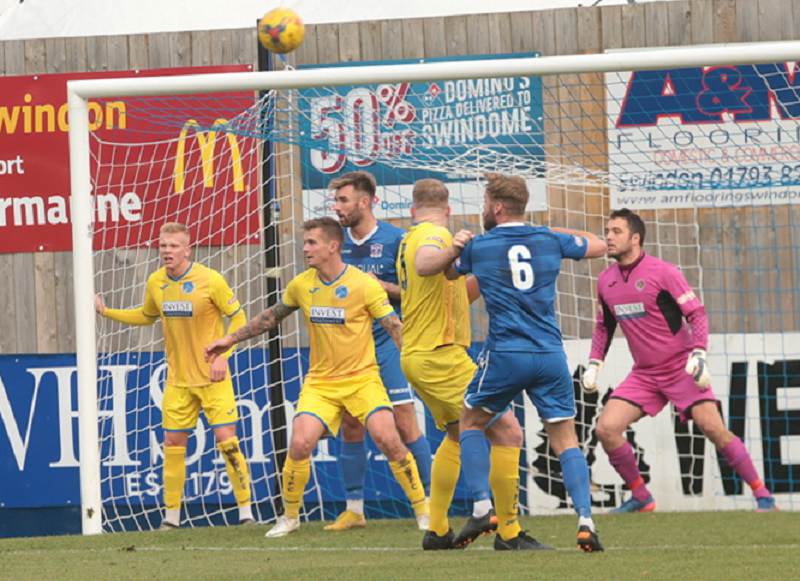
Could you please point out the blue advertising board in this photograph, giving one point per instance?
(39, 453)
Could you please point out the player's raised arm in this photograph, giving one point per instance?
(261, 323)
(596, 247)
(462, 263)
(431, 260)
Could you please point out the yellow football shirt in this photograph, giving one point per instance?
(435, 310)
(191, 309)
(339, 318)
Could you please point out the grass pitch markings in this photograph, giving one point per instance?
(382, 549)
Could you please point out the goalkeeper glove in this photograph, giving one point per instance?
(589, 379)
(697, 367)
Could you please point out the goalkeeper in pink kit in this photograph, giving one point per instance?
(650, 299)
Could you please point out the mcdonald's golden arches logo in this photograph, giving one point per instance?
(206, 140)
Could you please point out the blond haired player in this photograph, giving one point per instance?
(190, 300)
(339, 303)
(434, 358)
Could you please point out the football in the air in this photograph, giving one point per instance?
(281, 30)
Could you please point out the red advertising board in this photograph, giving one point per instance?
(154, 160)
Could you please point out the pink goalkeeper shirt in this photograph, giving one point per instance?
(649, 299)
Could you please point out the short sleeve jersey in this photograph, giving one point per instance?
(376, 254)
(435, 310)
(516, 267)
(649, 302)
(339, 317)
(191, 309)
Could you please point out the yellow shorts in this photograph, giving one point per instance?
(440, 377)
(327, 400)
(181, 406)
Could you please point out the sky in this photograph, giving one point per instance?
(66, 18)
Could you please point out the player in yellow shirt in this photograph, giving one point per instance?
(190, 300)
(339, 303)
(434, 359)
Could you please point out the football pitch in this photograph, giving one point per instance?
(707, 546)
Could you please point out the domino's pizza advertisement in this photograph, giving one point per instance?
(404, 132)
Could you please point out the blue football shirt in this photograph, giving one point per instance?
(517, 266)
(376, 254)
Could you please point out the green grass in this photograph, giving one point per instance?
(709, 546)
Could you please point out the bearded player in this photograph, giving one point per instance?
(372, 246)
(652, 302)
(517, 267)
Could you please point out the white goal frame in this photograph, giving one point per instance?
(79, 93)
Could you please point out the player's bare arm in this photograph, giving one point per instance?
(219, 368)
(392, 290)
(99, 306)
(394, 327)
(473, 289)
(261, 323)
(596, 248)
(430, 261)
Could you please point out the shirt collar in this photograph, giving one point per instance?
(632, 265)
(365, 238)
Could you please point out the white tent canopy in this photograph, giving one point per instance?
(20, 19)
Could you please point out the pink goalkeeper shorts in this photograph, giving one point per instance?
(651, 390)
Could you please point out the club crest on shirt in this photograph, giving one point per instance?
(341, 292)
(640, 284)
(375, 250)
(188, 286)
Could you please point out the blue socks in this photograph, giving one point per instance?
(576, 480)
(353, 465)
(476, 463)
(421, 450)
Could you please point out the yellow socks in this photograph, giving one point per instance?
(295, 478)
(406, 473)
(504, 480)
(237, 469)
(444, 476)
(174, 476)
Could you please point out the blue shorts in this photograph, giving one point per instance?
(545, 377)
(391, 374)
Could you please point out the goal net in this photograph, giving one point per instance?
(705, 148)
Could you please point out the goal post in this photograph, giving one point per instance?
(576, 190)
(85, 336)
